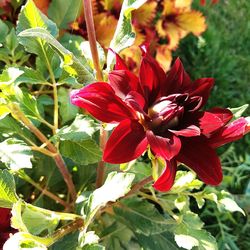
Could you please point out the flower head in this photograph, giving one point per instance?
(5, 228)
(162, 112)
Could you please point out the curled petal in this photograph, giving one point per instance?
(136, 101)
(177, 79)
(166, 180)
(119, 63)
(127, 142)
(189, 131)
(123, 81)
(99, 100)
(202, 87)
(231, 132)
(152, 76)
(166, 148)
(200, 157)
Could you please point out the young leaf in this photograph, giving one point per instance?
(70, 63)
(3, 31)
(67, 110)
(34, 220)
(15, 154)
(7, 189)
(64, 12)
(237, 112)
(23, 241)
(30, 76)
(31, 17)
(115, 187)
(124, 35)
(81, 152)
(82, 128)
(189, 233)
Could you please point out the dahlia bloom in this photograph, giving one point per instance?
(5, 228)
(161, 112)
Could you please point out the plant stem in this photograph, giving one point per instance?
(71, 227)
(101, 165)
(56, 155)
(92, 37)
(44, 191)
(138, 186)
(93, 47)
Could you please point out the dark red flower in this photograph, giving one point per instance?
(163, 112)
(5, 228)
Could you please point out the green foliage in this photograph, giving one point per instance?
(124, 36)
(7, 189)
(63, 13)
(15, 154)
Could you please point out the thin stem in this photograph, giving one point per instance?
(44, 191)
(56, 155)
(101, 165)
(138, 186)
(92, 37)
(71, 227)
(93, 47)
(42, 150)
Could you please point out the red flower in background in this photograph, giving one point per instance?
(162, 112)
(5, 228)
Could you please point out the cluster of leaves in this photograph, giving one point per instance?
(39, 67)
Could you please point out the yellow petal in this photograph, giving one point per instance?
(170, 31)
(145, 14)
(164, 57)
(183, 4)
(192, 21)
(168, 7)
(105, 26)
(111, 4)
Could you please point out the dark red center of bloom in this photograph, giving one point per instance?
(167, 112)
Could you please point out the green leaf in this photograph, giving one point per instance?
(15, 154)
(142, 217)
(64, 12)
(157, 242)
(34, 220)
(31, 17)
(124, 36)
(237, 112)
(9, 76)
(82, 128)
(70, 63)
(7, 189)
(24, 241)
(88, 241)
(4, 30)
(115, 187)
(11, 41)
(67, 110)
(189, 233)
(10, 126)
(30, 76)
(28, 104)
(81, 152)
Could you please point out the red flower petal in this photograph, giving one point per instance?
(99, 100)
(202, 87)
(123, 81)
(119, 63)
(199, 156)
(152, 77)
(177, 79)
(4, 219)
(166, 180)
(231, 132)
(127, 142)
(136, 101)
(189, 131)
(167, 148)
(224, 114)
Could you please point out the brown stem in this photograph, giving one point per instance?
(138, 186)
(93, 47)
(44, 191)
(92, 37)
(57, 156)
(101, 165)
(71, 227)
